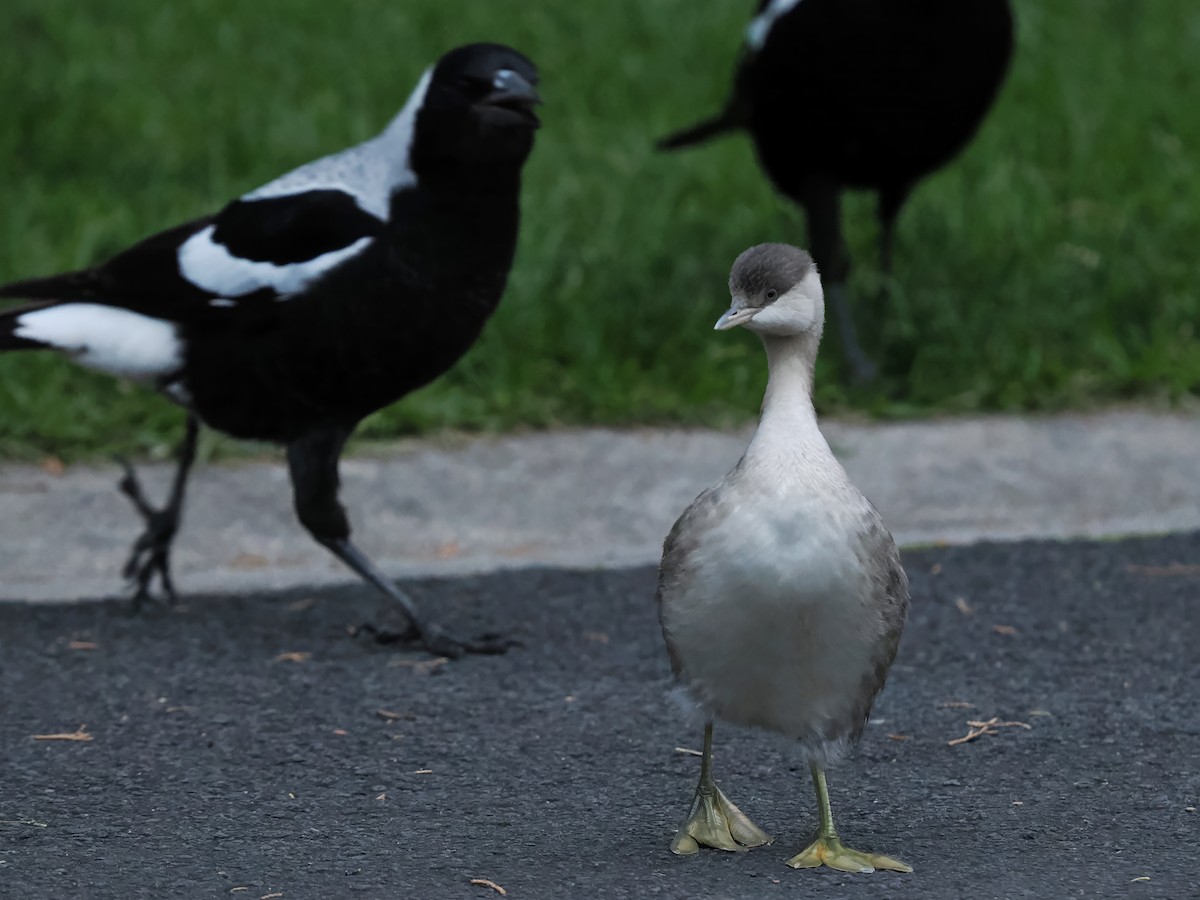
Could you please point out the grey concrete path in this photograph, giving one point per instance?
(598, 499)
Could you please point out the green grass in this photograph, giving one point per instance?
(1053, 265)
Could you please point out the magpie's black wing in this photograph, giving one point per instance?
(268, 247)
(147, 268)
(295, 228)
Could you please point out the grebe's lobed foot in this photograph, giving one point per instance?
(714, 821)
(829, 851)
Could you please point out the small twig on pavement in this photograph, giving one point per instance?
(488, 883)
(79, 734)
(420, 666)
(980, 728)
(294, 656)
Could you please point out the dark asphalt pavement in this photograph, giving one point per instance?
(220, 767)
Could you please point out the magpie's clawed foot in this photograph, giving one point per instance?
(439, 642)
(151, 552)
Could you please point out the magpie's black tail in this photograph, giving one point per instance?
(9, 328)
(725, 121)
(79, 285)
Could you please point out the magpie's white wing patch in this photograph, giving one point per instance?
(210, 266)
(760, 26)
(108, 338)
(370, 172)
(279, 245)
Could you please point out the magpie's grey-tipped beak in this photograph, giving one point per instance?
(513, 90)
(737, 314)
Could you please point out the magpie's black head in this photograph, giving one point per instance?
(478, 107)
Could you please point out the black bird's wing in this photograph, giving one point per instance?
(148, 267)
(294, 228)
(259, 248)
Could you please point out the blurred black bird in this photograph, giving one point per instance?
(864, 94)
(315, 300)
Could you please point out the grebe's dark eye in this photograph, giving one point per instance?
(771, 294)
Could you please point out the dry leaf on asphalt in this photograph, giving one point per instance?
(52, 465)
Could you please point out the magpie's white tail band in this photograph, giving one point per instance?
(107, 338)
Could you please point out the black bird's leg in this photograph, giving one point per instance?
(151, 552)
(821, 199)
(313, 464)
(891, 198)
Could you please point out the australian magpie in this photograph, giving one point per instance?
(865, 94)
(314, 300)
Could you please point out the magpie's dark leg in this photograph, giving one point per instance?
(151, 552)
(821, 199)
(313, 463)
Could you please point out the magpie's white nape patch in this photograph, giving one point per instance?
(211, 267)
(108, 338)
(760, 26)
(370, 172)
